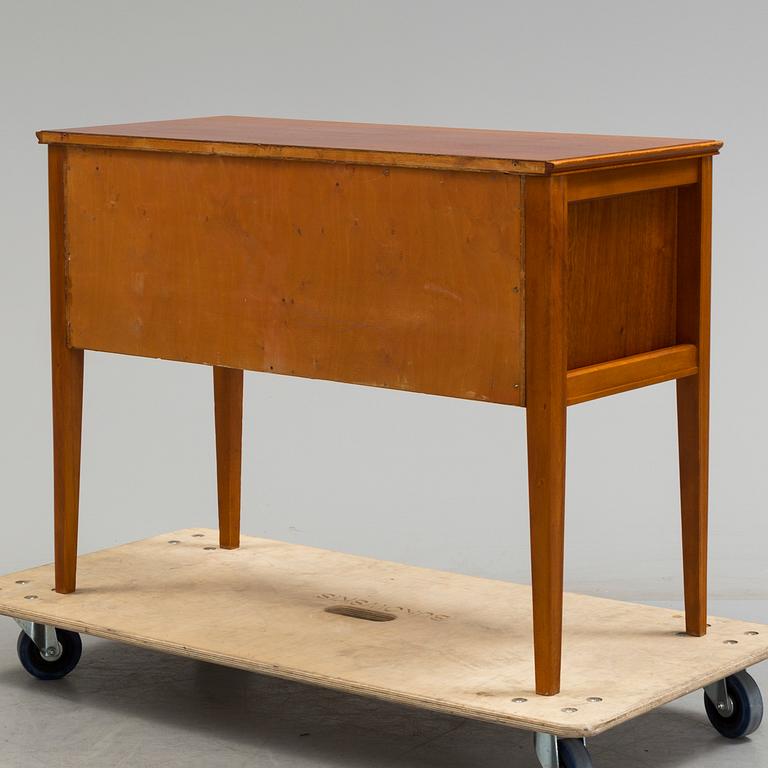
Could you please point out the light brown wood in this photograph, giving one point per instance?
(621, 276)
(588, 185)
(631, 372)
(693, 313)
(401, 278)
(546, 225)
(457, 644)
(67, 381)
(365, 143)
(573, 267)
(310, 154)
(228, 410)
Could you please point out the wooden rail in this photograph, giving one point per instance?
(588, 185)
(627, 373)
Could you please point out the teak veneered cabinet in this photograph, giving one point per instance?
(538, 270)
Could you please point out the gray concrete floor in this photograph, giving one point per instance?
(130, 707)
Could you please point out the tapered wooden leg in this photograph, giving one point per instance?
(546, 488)
(692, 423)
(546, 372)
(693, 309)
(67, 380)
(67, 419)
(228, 407)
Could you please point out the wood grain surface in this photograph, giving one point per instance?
(366, 143)
(546, 369)
(627, 373)
(228, 418)
(694, 278)
(401, 278)
(457, 644)
(621, 285)
(624, 180)
(67, 386)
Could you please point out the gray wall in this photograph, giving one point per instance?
(430, 481)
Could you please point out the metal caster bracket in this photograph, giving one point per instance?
(717, 693)
(546, 750)
(44, 637)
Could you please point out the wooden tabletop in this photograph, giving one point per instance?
(367, 143)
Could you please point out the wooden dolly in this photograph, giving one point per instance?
(539, 270)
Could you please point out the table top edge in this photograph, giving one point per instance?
(411, 146)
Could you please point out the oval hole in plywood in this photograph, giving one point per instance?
(354, 612)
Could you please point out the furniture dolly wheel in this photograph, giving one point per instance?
(734, 705)
(46, 652)
(561, 753)
(573, 753)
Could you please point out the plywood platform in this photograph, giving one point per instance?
(442, 641)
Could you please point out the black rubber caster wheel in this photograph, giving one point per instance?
(37, 666)
(747, 707)
(573, 754)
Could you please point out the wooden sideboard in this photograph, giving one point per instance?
(532, 269)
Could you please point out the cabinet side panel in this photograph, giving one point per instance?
(621, 283)
(401, 278)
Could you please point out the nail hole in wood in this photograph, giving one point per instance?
(519, 700)
(731, 642)
(353, 612)
(569, 710)
(752, 633)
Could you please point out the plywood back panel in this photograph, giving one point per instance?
(401, 278)
(621, 283)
